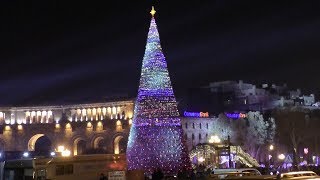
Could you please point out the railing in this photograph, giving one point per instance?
(243, 157)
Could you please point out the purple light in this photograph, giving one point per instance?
(156, 137)
(196, 114)
(236, 115)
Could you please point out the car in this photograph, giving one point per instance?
(299, 175)
(223, 173)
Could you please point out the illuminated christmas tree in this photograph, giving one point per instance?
(156, 137)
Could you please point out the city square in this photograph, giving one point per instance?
(76, 122)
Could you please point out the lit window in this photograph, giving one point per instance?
(84, 112)
(114, 110)
(33, 113)
(104, 111)
(94, 111)
(49, 114)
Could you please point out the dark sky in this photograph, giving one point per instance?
(72, 51)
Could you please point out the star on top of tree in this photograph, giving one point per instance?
(152, 12)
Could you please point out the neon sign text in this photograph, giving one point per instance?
(196, 114)
(236, 115)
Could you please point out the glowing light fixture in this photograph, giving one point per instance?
(25, 154)
(214, 139)
(201, 159)
(271, 147)
(7, 128)
(118, 123)
(60, 148)
(66, 153)
(281, 156)
(57, 126)
(89, 125)
(68, 126)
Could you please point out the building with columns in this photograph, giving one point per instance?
(76, 127)
(92, 126)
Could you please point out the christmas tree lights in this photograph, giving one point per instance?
(156, 137)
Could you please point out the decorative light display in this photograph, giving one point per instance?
(156, 137)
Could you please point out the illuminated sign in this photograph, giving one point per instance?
(236, 115)
(196, 114)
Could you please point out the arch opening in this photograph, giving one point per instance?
(99, 143)
(120, 145)
(99, 146)
(43, 146)
(40, 144)
(79, 146)
(32, 141)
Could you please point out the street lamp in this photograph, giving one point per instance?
(281, 156)
(271, 147)
(52, 153)
(26, 154)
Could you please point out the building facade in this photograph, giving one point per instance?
(77, 127)
(226, 96)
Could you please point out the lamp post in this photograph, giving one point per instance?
(271, 148)
(229, 151)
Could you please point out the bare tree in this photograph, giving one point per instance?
(294, 126)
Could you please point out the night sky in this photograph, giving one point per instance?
(62, 52)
